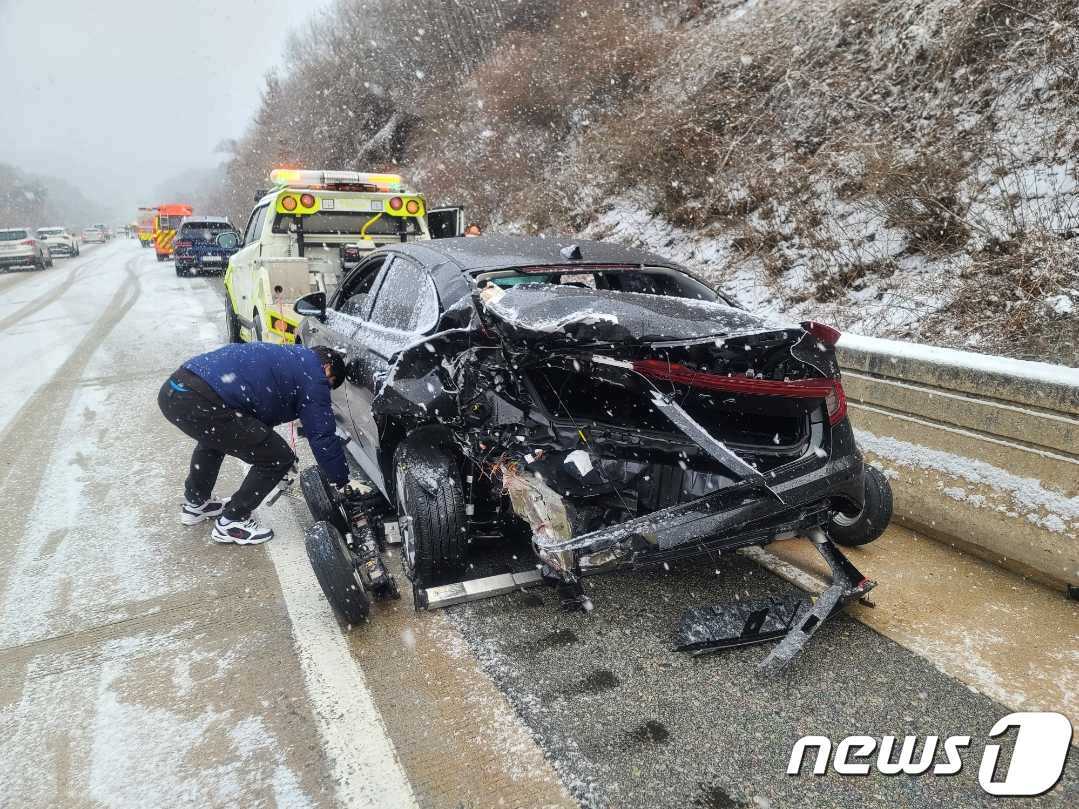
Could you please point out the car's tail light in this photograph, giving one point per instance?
(307, 200)
(412, 207)
(836, 402)
(288, 203)
(828, 389)
(183, 243)
(28, 242)
(829, 335)
(396, 203)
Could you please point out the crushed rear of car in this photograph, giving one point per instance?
(627, 415)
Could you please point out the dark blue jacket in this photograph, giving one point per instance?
(277, 384)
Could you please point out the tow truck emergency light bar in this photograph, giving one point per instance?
(317, 178)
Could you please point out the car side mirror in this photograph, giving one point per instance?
(312, 305)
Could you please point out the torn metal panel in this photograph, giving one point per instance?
(717, 449)
(738, 623)
(848, 584)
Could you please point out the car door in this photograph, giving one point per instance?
(405, 306)
(242, 268)
(345, 312)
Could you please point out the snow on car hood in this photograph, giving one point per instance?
(583, 313)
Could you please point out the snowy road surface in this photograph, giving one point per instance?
(143, 666)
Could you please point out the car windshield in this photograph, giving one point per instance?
(50, 232)
(349, 223)
(206, 231)
(12, 235)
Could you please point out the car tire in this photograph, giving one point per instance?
(332, 562)
(316, 492)
(431, 512)
(232, 325)
(180, 271)
(869, 523)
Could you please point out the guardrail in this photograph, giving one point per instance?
(982, 452)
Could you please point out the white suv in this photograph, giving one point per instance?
(58, 241)
(19, 248)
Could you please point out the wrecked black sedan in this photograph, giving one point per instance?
(605, 399)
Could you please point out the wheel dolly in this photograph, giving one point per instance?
(346, 543)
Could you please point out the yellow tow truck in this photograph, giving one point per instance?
(302, 234)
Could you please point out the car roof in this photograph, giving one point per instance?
(4, 230)
(193, 219)
(499, 251)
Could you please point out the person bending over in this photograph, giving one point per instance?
(229, 401)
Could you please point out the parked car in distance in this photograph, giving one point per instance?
(19, 248)
(204, 244)
(58, 241)
(94, 234)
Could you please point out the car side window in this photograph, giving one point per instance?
(254, 225)
(354, 292)
(425, 313)
(397, 302)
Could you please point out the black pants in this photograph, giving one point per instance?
(189, 403)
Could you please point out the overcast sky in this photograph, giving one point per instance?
(119, 95)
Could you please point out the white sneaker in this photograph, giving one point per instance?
(240, 532)
(193, 513)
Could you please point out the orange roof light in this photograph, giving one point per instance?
(387, 183)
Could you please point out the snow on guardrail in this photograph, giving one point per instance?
(982, 451)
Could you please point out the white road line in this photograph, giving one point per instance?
(361, 755)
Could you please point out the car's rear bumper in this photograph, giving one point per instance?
(18, 260)
(61, 250)
(208, 263)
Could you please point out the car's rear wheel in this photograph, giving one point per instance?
(868, 524)
(430, 512)
(181, 271)
(332, 562)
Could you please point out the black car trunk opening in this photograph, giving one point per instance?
(773, 430)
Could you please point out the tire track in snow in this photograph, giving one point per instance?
(51, 295)
(28, 442)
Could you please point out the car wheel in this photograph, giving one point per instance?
(180, 271)
(430, 512)
(869, 523)
(316, 493)
(232, 325)
(332, 562)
